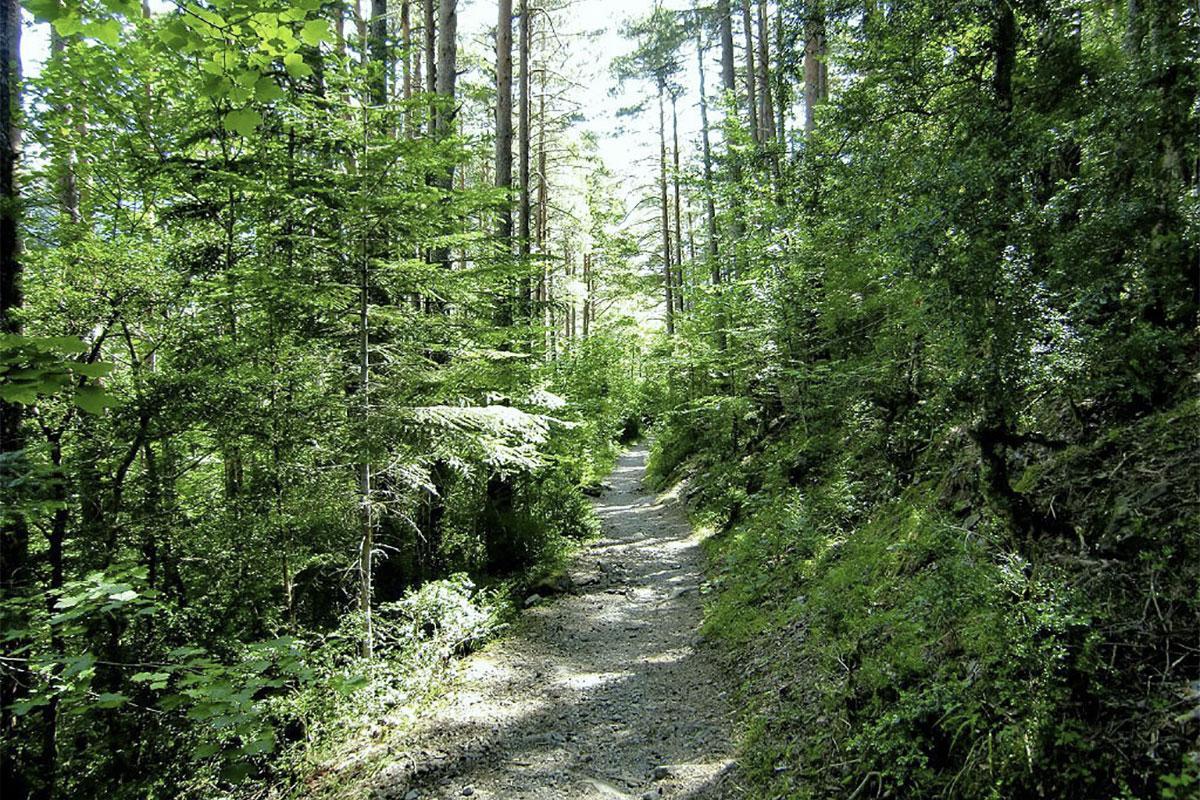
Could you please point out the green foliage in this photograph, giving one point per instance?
(945, 438)
(235, 305)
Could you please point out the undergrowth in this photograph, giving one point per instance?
(904, 641)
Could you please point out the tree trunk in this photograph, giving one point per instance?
(14, 535)
(781, 86)
(366, 551)
(430, 15)
(541, 223)
(729, 83)
(378, 48)
(751, 74)
(446, 77)
(728, 78)
(815, 71)
(504, 137)
(504, 121)
(587, 294)
(766, 107)
(679, 299)
(406, 50)
(668, 293)
(710, 206)
(64, 157)
(447, 68)
(523, 209)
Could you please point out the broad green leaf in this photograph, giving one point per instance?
(93, 399)
(68, 24)
(315, 31)
(68, 344)
(267, 90)
(243, 121)
(111, 700)
(295, 66)
(107, 31)
(94, 370)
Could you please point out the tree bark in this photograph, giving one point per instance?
(729, 81)
(815, 70)
(668, 293)
(14, 534)
(430, 15)
(710, 207)
(781, 86)
(66, 178)
(751, 74)
(523, 209)
(504, 121)
(679, 299)
(728, 77)
(504, 137)
(378, 47)
(766, 113)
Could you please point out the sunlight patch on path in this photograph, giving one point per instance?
(606, 693)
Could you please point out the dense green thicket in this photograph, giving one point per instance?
(947, 434)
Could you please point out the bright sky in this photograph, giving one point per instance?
(628, 146)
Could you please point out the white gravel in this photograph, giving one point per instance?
(606, 692)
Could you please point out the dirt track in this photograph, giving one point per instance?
(604, 692)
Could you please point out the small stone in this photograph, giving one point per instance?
(661, 772)
(468, 791)
(413, 794)
(532, 600)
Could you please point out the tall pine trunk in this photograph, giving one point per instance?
(668, 292)
(504, 137)
(751, 74)
(679, 295)
(815, 70)
(766, 113)
(523, 209)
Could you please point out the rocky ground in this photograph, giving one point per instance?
(603, 691)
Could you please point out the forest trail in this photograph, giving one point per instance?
(604, 692)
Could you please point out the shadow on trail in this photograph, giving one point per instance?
(604, 693)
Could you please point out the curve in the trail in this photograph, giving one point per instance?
(604, 692)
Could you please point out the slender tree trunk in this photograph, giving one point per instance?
(729, 81)
(815, 70)
(360, 24)
(366, 552)
(446, 76)
(64, 157)
(447, 67)
(378, 48)
(725, 16)
(406, 55)
(678, 204)
(14, 534)
(523, 209)
(587, 294)
(751, 74)
(430, 14)
(766, 106)
(504, 137)
(710, 208)
(504, 121)
(668, 293)
(541, 228)
(781, 85)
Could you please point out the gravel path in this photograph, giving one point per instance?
(603, 692)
